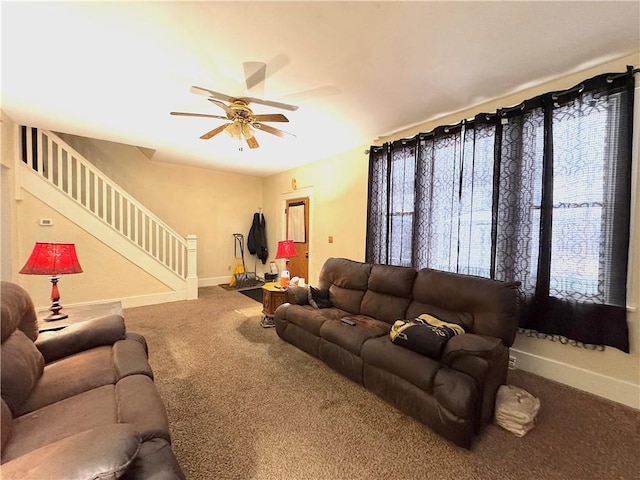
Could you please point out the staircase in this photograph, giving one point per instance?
(56, 173)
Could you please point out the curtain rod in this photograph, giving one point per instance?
(635, 71)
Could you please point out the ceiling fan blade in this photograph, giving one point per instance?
(255, 74)
(252, 142)
(211, 93)
(187, 114)
(269, 103)
(270, 117)
(221, 96)
(223, 106)
(272, 130)
(214, 132)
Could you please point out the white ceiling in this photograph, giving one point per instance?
(357, 70)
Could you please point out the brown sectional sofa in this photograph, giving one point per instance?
(453, 394)
(78, 403)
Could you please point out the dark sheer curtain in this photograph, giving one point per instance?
(378, 210)
(538, 193)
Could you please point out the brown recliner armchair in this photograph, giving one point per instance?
(80, 402)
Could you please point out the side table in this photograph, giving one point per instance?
(79, 314)
(273, 295)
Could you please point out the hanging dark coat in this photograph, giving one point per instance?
(257, 238)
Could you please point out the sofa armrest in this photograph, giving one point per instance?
(104, 452)
(486, 359)
(298, 295)
(81, 336)
(466, 344)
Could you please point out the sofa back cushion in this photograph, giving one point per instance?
(483, 306)
(17, 311)
(346, 281)
(389, 292)
(22, 367)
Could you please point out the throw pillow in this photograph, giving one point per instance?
(319, 298)
(426, 334)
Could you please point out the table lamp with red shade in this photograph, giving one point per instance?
(53, 259)
(286, 250)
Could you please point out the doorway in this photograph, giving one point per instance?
(297, 222)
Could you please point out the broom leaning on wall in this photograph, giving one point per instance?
(241, 278)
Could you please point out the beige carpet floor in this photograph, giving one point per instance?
(244, 404)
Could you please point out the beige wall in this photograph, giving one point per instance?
(213, 205)
(106, 275)
(8, 234)
(210, 204)
(337, 188)
(339, 209)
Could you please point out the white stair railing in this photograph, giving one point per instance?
(72, 174)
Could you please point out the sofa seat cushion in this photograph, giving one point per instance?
(311, 319)
(351, 338)
(91, 369)
(133, 400)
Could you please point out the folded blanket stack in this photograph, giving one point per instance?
(516, 409)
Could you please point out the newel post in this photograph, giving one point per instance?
(192, 267)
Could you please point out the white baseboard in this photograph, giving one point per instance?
(153, 299)
(130, 302)
(211, 281)
(614, 389)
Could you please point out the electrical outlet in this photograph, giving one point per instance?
(512, 362)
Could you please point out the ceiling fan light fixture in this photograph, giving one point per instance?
(247, 131)
(234, 130)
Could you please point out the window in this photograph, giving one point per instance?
(402, 198)
(538, 193)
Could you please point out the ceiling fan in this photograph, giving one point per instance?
(243, 121)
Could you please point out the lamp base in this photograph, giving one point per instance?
(55, 316)
(55, 302)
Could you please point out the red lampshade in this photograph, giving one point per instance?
(52, 259)
(286, 249)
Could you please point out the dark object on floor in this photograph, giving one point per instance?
(254, 293)
(243, 279)
(453, 394)
(231, 288)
